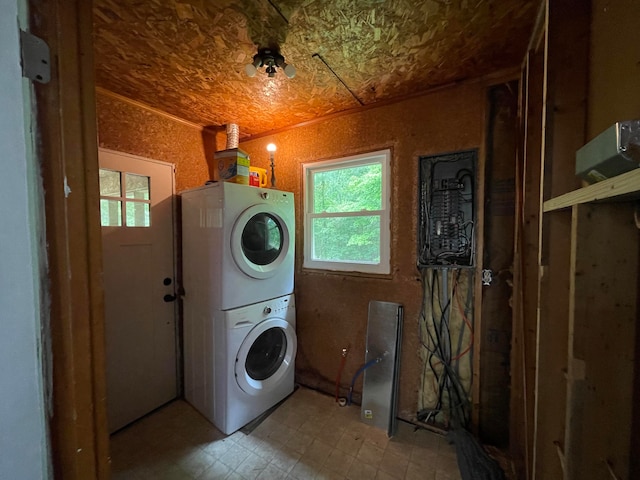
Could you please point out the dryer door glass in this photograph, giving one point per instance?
(266, 354)
(262, 239)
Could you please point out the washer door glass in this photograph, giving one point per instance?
(265, 358)
(266, 354)
(262, 239)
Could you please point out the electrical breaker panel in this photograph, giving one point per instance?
(447, 210)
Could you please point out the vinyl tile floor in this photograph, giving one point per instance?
(307, 437)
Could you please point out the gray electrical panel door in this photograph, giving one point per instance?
(380, 386)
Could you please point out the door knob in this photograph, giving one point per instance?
(169, 298)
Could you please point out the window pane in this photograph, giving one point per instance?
(110, 213)
(137, 187)
(138, 214)
(346, 239)
(350, 189)
(109, 183)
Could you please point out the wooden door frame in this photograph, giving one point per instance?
(67, 151)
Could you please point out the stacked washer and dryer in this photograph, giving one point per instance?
(239, 308)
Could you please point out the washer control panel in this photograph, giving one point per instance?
(251, 315)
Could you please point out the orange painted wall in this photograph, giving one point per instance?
(332, 308)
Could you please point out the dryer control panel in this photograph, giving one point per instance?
(276, 197)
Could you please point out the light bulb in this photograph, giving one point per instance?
(250, 70)
(289, 70)
(271, 147)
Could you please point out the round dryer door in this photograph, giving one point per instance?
(265, 356)
(260, 241)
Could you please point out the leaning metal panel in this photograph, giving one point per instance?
(380, 386)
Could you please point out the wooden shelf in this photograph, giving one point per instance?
(625, 184)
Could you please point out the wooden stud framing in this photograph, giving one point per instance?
(528, 216)
(588, 277)
(564, 117)
(477, 287)
(603, 326)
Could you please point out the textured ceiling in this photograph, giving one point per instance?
(187, 57)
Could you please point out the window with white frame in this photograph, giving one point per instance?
(347, 219)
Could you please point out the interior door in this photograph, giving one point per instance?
(136, 206)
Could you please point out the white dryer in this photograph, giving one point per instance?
(238, 243)
(243, 362)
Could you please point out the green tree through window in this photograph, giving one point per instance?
(347, 214)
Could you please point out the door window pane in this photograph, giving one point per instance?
(138, 214)
(137, 186)
(262, 239)
(110, 213)
(266, 354)
(136, 198)
(109, 183)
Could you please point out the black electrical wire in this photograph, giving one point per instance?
(321, 58)
(275, 7)
(448, 381)
(455, 244)
(452, 376)
(432, 351)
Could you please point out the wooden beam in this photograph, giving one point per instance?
(622, 187)
(518, 426)
(564, 120)
(531, 239)
(68, 152)
(477, 287)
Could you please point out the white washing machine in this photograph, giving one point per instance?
(241, 362)
(238, 244)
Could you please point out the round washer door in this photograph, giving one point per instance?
(265, 356)
(260, 241)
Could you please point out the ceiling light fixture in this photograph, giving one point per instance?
(272, 59)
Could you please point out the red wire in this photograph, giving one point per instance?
(468, 323)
